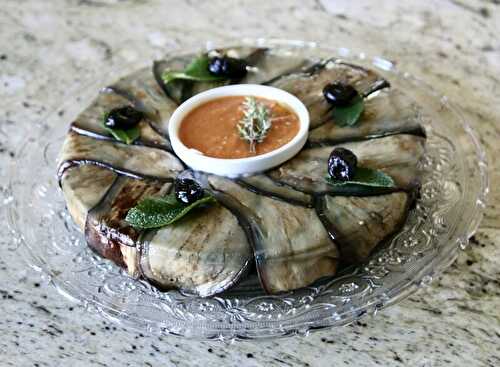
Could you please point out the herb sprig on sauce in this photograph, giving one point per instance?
(256, 122)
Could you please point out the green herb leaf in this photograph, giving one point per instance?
(156, 212)
(197, 71)
(348, 116)
(126, 136)
(364, 180)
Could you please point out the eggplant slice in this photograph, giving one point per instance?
(132, 160)
(265, 66)
(180, 90)
(308, 86)
(90, 121)
(263, 185)
(106, 230)
(204, 254)
(287, 255)
(144, 93)
(83, 187)
(359, 224)
(396, 155)
(389, 112)
(93, 174)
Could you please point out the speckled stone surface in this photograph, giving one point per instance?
(48, 47)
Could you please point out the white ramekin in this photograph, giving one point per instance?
(239, 166)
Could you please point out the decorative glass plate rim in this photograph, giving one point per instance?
(427, 273)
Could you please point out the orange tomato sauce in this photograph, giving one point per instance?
(211, 128)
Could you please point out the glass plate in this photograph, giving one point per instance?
(447, 213)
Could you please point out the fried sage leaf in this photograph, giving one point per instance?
(349, 115)
(196, 71)
(156, 212)
(366, 177)
(127, 136)
(364, 180)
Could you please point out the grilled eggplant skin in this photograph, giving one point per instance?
(263, 185)
(133, 160)
(287, 256)
(83, 187)
(359, 224)
(105, 229)
(204, 255)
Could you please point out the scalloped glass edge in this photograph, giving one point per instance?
(323, 317)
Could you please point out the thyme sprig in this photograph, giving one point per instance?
(256, 122)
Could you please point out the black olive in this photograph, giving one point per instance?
(187, 191)
(339, 94)
(124, 118)
(228, 67)
(342, 164)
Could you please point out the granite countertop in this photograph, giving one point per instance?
(49, 46)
